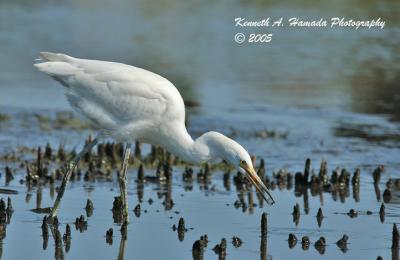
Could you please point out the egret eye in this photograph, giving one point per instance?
(242, 162)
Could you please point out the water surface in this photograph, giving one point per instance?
(327, 94)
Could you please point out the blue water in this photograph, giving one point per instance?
(334, 93)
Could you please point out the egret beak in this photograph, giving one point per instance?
(258, 183)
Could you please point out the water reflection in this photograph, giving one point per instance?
(307, 189)
(191, 44)
(122, 243)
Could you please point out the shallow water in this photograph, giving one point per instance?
(210, 209)
(208, 212)
(325, 94)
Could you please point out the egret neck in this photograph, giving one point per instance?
(182, 145)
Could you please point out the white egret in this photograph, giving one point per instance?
(129, 103)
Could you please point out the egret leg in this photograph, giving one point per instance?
(70, 168)
(123, 181)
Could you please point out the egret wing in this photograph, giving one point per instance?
(111, 94)
(124, 100)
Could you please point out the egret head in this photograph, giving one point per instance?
(227, 149)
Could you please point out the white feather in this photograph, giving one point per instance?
(116, 97)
